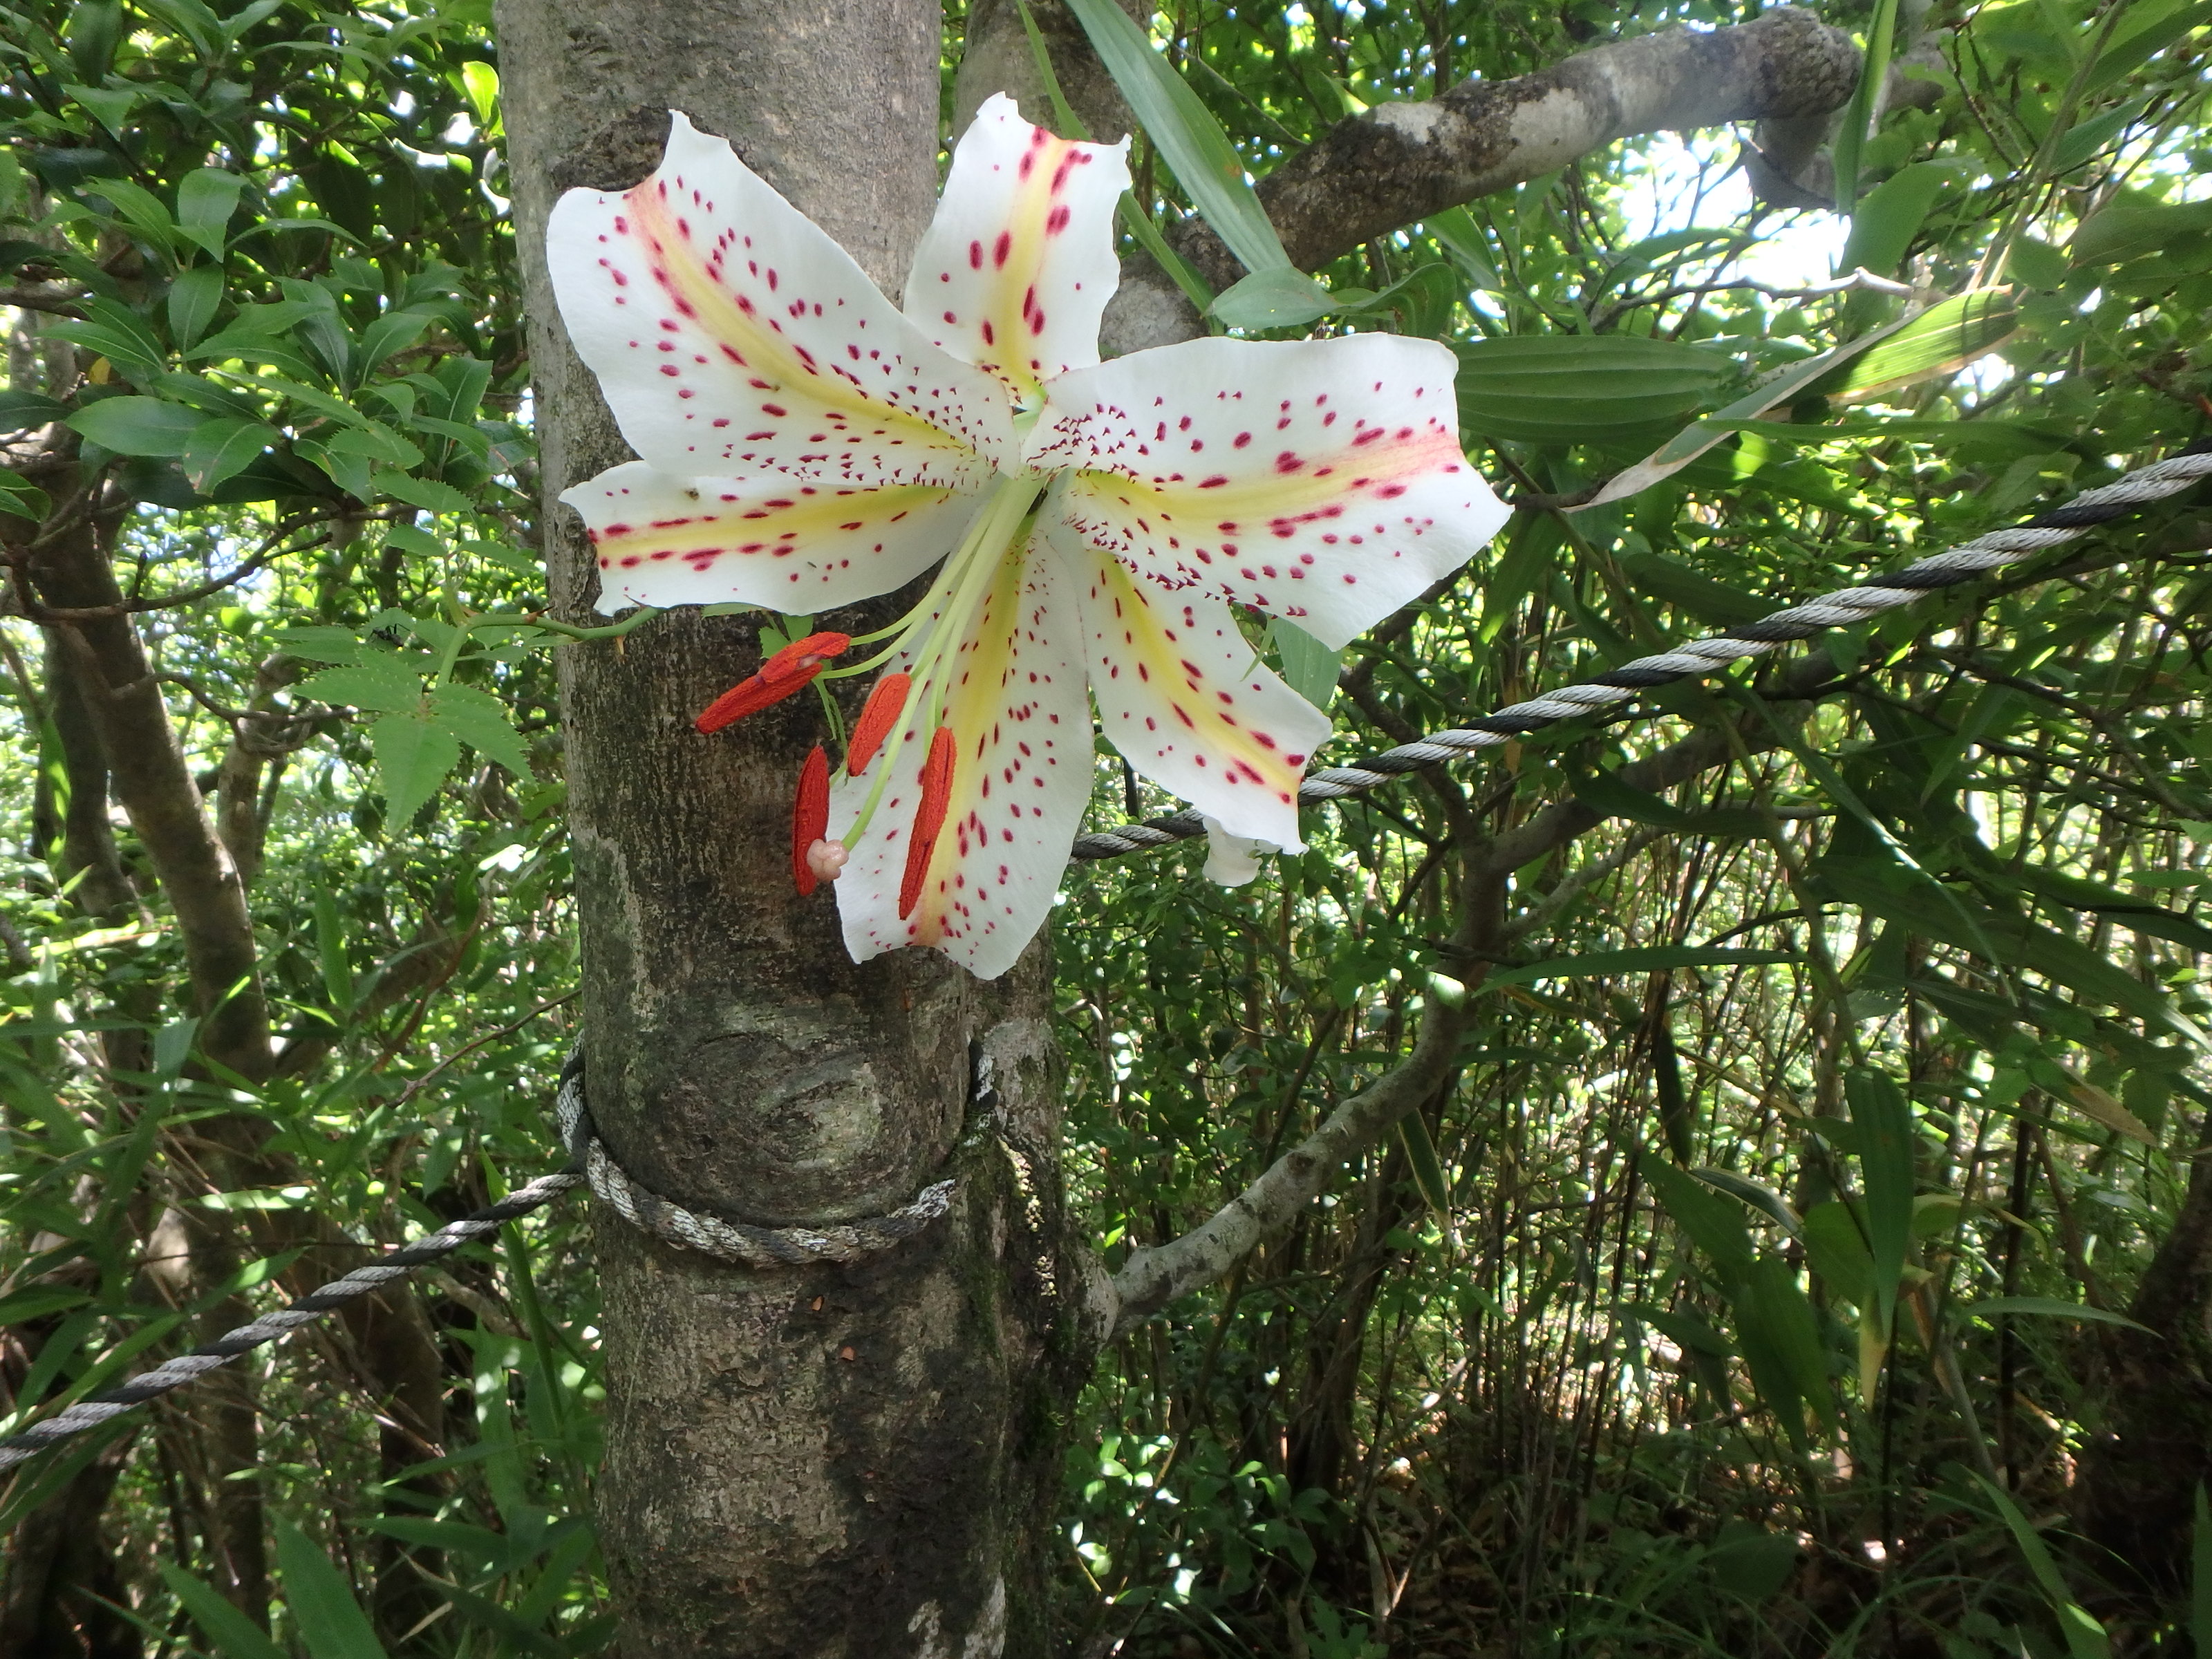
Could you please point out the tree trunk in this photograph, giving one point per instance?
(824, 1462)
(2136, 1495)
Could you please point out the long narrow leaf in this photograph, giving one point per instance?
(1189, 140)
(330, 1621)
(1884, 1122)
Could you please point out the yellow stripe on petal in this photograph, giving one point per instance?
(1013, 696)
(1320, 481)
(730, 335)
(794, 547)
(1185, 697)
(1015, 270)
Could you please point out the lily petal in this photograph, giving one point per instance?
(794, 547)
(1021, 777)
(1185, 697)
(1015, 270)
(1318, 480)
(1232, 860)
(731, 334)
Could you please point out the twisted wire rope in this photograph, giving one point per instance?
(843, 1243)
(1699, 658)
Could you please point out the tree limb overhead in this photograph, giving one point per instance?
(1397, 163)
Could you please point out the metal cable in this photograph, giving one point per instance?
(1700, 659)
(735, 1242)
(845, 1243)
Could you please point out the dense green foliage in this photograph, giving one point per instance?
(1763, 1279)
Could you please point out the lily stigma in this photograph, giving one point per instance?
(804, 444)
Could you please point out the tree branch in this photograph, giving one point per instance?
(1150, 1279)
(1400, 162)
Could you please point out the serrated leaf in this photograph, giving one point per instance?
(380, 685)
(428, 494)
(479, 720)
(374, 442)
(324, 644)
(137, 425)
(221, 449)
(414, 754)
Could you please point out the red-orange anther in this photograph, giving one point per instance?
(928, 818)
(809, 653)
(789, 671)
(878, 715)
(810, 817)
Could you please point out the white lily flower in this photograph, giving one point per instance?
(804, 445)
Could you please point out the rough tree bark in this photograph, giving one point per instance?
(2136, 1495)
(851, 1462)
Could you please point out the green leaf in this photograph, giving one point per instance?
(413, 755)
(22, 499)
(1309, 668)
(1940, 340)
(1646, 958)
(206, 197)
(319, 644)
(394, 331)
(229, 1632)
(1428, 1168)
(1280, 296)
(479, 720)
(1859, 114)
(194, 298)
(138, 426)
(21, 410)
(481, 82)
(2050, 1307)
(1758, 1194)
(2131, 227)
(1687, 589)
(119, 334)
(1189, 140)
(1890, 215)
(426, 493)
(1571, 388)
(223, 448)
(332, 1623)
(1714, 1224)
(1775, 1322)
(2085, 1637)
(380, 685)
(1883, 1118)
(331, 952)
(109, 105)
(1837, 1251)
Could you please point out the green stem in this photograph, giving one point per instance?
(999, 526)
